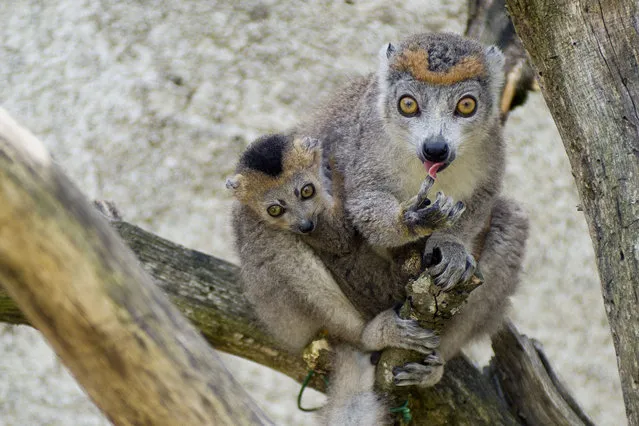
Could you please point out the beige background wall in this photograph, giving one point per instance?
(149, 103)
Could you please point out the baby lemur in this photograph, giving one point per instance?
(430, 112)
(285, 219)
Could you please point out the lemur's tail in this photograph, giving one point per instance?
(351, 400)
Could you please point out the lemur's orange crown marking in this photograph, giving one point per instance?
(415, 62)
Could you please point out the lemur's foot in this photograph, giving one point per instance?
(389, 330)
(425, 374)
(425, 217)
(448, 263)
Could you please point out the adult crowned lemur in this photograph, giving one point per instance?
(429, 116)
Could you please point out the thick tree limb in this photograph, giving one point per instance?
(531, 388)
(74, 279)
(587, 57)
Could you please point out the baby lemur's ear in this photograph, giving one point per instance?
(308, 151)
(236, 184)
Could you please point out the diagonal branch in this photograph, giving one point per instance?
(75, 280)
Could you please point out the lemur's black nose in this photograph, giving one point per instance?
(306, 226)
(435, 150)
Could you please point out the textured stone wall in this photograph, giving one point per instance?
(149, 103)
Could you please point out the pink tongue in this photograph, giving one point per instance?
(432, 168)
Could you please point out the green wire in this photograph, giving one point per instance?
(405, 412)
(305, 383)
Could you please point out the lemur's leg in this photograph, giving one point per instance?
(300, 297)
(500, 263)
(351, 400)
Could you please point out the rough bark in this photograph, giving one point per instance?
(442, 403)
(73, 278)
(533, 391)
(587, 57)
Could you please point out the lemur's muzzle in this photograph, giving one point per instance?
(435, 154)
(306, 226)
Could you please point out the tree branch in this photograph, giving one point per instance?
(73, 278)
(587, 57)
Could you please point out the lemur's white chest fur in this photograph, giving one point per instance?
(458, 181)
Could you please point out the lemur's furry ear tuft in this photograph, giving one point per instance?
(390, 49)
(307, 153)
(308, 144)
(495, 61)
(235, 183)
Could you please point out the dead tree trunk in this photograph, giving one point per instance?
(74, 279)
(587, 59)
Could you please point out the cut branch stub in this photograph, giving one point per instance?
(432, 308)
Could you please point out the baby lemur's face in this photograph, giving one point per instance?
(295, 204)
(289, 196)
(439, 96)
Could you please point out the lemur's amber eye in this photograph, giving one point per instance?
(408, 106)
(307, 191)
(275, 210)
(466, 106)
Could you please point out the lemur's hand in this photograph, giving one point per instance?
(424, 374)
(423, 217)
(448, 262)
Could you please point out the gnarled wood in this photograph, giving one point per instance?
(587, 57)
(74, 279)
(534, 394)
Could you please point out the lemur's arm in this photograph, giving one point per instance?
(322, 295)
(386, 222)
(448, 253)
(295, 296)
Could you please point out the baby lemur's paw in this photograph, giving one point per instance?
(424, 374)
(389, 330)
(425, 217)
(449, 264)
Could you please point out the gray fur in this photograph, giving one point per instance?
(345, 276)
(351, 399)
(379, 153)
(290, 278)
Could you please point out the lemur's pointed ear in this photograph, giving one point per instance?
(385, 55)
(308, 144)
(308, 151)
(495, 61)
(235, 183)
(390, 49)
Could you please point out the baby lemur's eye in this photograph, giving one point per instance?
(466, 106)
(307, 191)
(275, 210)
(407, 106)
